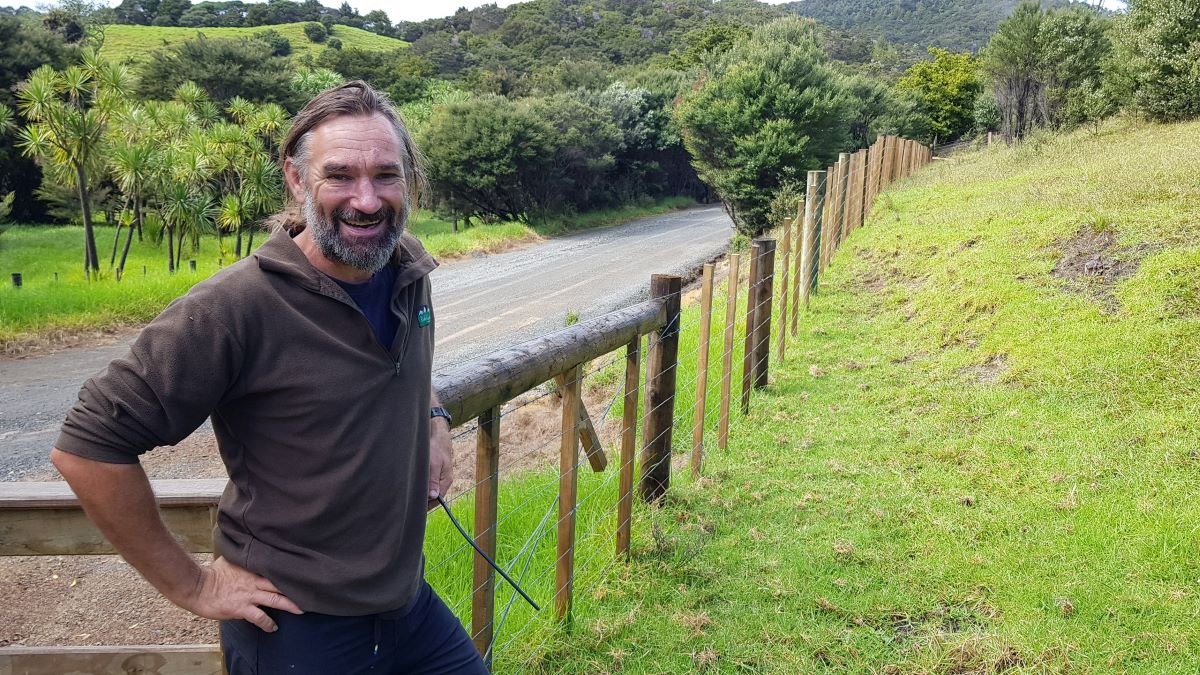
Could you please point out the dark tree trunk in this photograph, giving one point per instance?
(91, 257)
(116, 240)
(170, 249)
(238, 252)
(125, 253)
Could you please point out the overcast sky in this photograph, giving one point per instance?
(409, 10)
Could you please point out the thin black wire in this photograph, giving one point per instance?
(486, 557)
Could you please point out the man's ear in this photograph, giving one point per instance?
(295, 182)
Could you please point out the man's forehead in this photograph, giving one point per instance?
(356, 133)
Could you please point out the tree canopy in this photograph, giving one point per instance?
(771, 110)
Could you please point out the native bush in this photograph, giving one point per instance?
(771, 110)
(1159, 44)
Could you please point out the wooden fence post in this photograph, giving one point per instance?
(731, 295)
(856, 189)
(889, 158)
(843, 193)
(629, 420)
(797, 266)
(885, 164)
(702, 370)
(827, 215)
(487, 484)
(568, 489)
(876, 171)
(748, 346)
(660, 387)
(785, 271)
(864, 163)
(808, 242)
(762, 313)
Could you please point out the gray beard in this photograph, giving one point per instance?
(367, 256)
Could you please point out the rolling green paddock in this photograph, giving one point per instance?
(967, 463)
(134, 44)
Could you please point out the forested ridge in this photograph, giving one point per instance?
(952, 24)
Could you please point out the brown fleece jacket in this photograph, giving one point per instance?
(324, 432)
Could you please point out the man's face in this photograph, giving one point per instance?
(354, 192)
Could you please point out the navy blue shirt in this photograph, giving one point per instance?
(374, 298)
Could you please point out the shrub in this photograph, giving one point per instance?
(315, 32)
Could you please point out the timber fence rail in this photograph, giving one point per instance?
(651, 363)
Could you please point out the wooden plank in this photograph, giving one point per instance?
(57, 494)
(568, 490)
(588, 437)
(122, 660)
(628, 445)
(67, 531)
(487, 490)
(727, 354)
(702, 370)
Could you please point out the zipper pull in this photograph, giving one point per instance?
(397, 364)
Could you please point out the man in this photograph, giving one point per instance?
(313, 358)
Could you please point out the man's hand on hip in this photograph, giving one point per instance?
(441, 460)
(225, 591)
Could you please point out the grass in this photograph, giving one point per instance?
(52, 308)
(606, 217)
(133, 44)
(966, 464)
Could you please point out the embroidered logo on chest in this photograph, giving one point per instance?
(424, 316)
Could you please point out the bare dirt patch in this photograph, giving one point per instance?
(1092, 263)
(988, 372)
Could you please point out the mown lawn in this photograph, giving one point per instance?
(969, 463)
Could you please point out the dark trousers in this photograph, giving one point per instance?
(424, 637)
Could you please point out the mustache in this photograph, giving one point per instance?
(349, 215)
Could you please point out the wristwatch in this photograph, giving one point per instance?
(438, 411)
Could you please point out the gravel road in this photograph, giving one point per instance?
(481, 304)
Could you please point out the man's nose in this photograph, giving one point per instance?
(365, 198)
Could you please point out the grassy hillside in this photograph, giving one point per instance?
(980, 456)
(125, 43)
